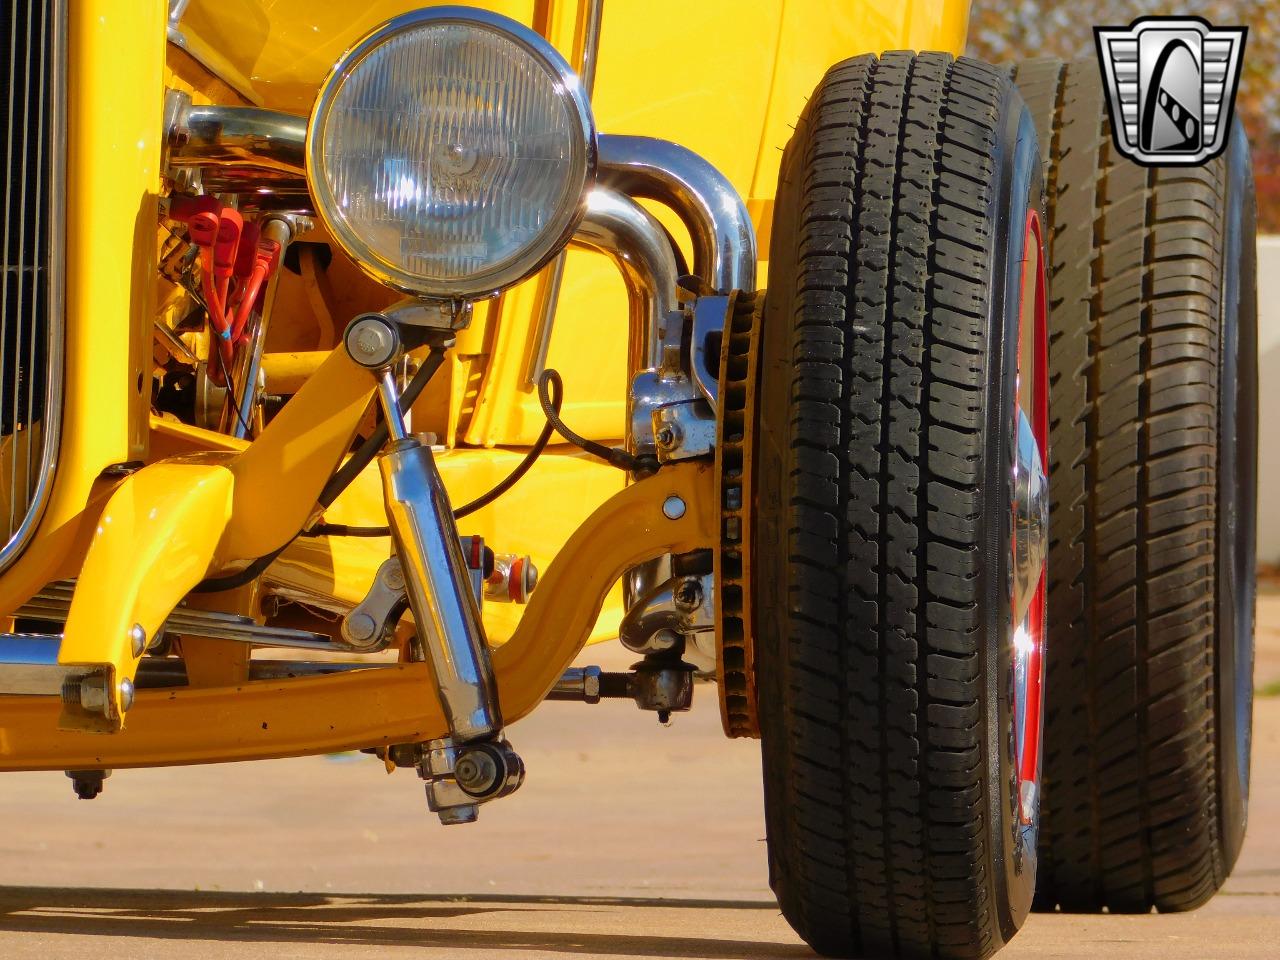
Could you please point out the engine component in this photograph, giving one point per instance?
(512, 580)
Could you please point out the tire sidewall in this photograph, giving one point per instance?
(1019, 190)
(1237, 497)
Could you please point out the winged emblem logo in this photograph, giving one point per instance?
(1171, 87)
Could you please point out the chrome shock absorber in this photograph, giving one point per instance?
(474, 763)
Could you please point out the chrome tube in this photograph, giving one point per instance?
(620, 228)
(241, 409)
(438, 584)
(29, 665)
(204, 135)
(724, 240)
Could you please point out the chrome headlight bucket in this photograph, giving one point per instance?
(449, 152)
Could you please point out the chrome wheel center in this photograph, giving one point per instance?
(1029, 527)
(1030, 517)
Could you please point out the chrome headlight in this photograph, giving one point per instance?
(449, 152)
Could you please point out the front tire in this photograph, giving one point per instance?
(884, 563)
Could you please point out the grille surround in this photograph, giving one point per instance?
(33, 110)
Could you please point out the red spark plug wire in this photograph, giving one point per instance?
(266, 259)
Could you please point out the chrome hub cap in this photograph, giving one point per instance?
(1030, 521)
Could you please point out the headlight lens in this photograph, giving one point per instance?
(449, 152)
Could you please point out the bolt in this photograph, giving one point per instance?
(360, 627)
(371, 341)
(91, 692)
(476, 772)
(126, 693)
(394, 577)
(87, 784)
(662, 641)
(591, 684)
(138, 640)
(666, 438)
(673, 508)
(403, 754)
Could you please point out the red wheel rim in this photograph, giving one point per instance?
(1030, 509)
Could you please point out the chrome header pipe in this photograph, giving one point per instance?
(218, 136)
(620, 228)
(724, 240)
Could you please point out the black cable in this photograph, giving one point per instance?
(338, 482)
(378, 439)
(618, 458)
(369, 449)
(526, 463)
(521, 468)
(553, 386)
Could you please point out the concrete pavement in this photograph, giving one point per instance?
(628, 840)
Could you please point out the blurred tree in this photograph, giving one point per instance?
(1002, 30)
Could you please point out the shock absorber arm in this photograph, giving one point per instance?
(473, 763)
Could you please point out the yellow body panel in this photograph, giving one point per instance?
(172, 523)
(535, 518)
(155, 540)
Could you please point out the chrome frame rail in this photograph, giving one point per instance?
(56, 97)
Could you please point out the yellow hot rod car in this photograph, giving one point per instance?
(362, 363)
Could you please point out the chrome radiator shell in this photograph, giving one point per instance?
(32, 317)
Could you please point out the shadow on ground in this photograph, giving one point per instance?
(374, 920)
